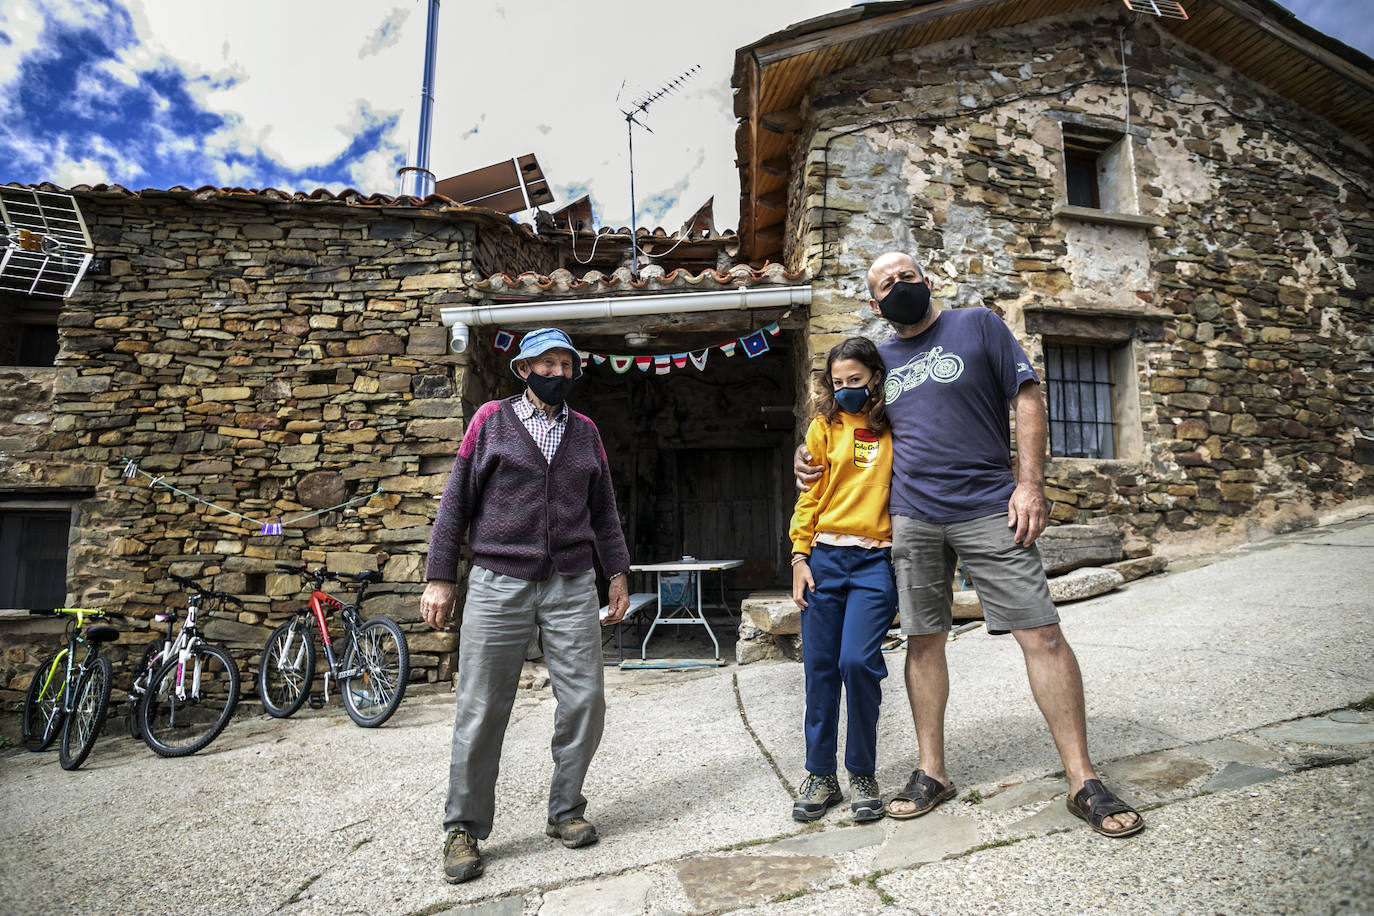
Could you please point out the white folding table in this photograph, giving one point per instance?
(683, 613)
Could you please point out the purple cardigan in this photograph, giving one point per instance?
(527, 516)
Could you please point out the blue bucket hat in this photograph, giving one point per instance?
(543, 340)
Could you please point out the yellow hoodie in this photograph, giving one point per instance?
(851, 495)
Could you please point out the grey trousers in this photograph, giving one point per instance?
(499, 619)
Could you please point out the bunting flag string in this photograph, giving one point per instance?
(753, 344)
(132, 470)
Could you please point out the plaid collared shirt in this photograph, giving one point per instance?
(546, 434)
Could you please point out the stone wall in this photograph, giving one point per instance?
(1236, 279)
(271, 357)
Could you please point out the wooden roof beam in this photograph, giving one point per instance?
(775, 201)
(781, 122)
(777, 167)
(867, 28)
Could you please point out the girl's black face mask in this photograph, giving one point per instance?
(551, 389)
(906, 303)
(852, 400)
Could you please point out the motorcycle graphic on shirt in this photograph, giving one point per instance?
(934, 364)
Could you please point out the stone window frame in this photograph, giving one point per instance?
(57, 505)
(1123, 334)
(1092, 413)
(1110, 145)
(23, 313)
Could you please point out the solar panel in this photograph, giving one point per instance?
(507, 187)
(44, 246)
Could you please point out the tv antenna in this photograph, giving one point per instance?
(638, 107)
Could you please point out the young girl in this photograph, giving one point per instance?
(842, 579)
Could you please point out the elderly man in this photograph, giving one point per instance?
(951, 377)
(532, 492)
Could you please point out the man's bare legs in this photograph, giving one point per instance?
(1055, 682)
(1057, 685)
(927, 687)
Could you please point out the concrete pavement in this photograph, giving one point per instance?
(1231, 700)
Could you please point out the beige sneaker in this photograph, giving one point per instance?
(462, 861)
(573, 832)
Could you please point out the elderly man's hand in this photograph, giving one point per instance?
(437, 603)
(619, 601)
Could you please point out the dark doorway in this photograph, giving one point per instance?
(700, 456)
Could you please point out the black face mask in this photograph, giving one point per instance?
(852, 400)
(551, 389)
(906, 303)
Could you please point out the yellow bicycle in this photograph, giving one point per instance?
(69, 694)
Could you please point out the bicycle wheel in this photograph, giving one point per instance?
(288, 666)
(145, 670)
(378, 650)
(87, 716)
(176, 722)
(43, 715)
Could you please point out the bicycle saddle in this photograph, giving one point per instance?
(99, 632)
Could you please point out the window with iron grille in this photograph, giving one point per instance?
(33, 558)
(1078, 379)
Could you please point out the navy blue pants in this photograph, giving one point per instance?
(842, 627)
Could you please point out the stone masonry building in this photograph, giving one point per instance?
(1190, 272)
(269, 353)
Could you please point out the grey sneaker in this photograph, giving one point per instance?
(818, 794)
(573, 832)
(462, 861)
(865, 800)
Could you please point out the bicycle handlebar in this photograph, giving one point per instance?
(320, 576)
(197, 588)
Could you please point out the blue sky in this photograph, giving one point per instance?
(301, 94)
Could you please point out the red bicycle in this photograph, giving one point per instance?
(372, 670)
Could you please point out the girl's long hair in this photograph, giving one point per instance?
(866, 352)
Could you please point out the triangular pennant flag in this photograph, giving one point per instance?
(622, 364)
(662, 364)
(644, 362)
(680, 360)
(598, 358)
(755, 344)
(728, 348)
(699, 359)
(504, 341)
(584, 356)
(270, 528)
(773, 329)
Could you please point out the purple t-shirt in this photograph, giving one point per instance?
(948, 391)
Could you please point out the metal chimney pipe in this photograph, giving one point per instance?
(417, 180)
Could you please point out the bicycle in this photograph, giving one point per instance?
(70, 696)
(375, 663)
(187, 689)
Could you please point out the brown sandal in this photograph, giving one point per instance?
(1095, 803)
(922, 791)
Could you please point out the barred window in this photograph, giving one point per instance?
(33, 558)
(1079, 382)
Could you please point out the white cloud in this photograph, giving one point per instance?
(295, 82)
